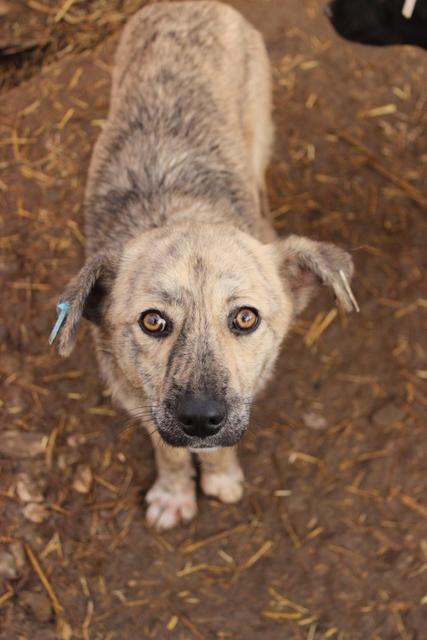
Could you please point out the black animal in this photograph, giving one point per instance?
(380, 22)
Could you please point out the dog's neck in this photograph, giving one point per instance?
(142, 210)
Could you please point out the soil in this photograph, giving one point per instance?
(330, 539)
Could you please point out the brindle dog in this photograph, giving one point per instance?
(189, 292)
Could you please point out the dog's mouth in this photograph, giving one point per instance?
(228, 434)
(227, 437)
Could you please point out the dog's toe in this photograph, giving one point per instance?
(167, 507)
(227, 487)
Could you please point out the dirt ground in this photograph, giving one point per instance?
(330, 540)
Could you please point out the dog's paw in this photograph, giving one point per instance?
(169, 507)
(226, 486)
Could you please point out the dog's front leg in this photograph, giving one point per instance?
(221, 474)
(172, 498)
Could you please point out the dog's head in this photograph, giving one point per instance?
(379, 22)
(193, 317)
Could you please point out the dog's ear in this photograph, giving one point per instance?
(85, 295)
(305, 265)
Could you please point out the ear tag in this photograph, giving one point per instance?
(62, 310)
(408, 8)
(348, 291)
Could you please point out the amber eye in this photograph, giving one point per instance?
(155, 323)
(244, 320)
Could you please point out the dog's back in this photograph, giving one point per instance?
(189, 123)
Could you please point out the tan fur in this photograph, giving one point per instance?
(174, 208)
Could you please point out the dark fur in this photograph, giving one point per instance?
(379, 22)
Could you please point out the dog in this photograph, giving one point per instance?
(188, 290)
(380, 22)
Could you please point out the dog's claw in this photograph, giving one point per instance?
(167, 508)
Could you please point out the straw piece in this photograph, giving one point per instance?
(56, 605)
(414, 505)
(189, 548)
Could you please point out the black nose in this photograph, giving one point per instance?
(200, 415)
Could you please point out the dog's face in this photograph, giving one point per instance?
(196, 324)
(193, 317)
(379, 22)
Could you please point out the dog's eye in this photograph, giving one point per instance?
(155, 324)
(244, 320)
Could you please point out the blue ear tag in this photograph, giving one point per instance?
(62, 310)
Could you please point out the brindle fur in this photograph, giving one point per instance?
(174, 222)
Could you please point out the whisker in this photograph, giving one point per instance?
(138, 411)
(141, 411)
(146, 406)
